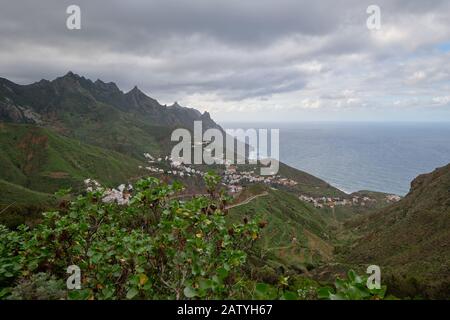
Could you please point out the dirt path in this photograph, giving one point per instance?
(7, 207)
(246, 201)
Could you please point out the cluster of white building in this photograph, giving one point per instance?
(393, 198)
(121, 195)
(233, 177)
(178, 168)
(321, 202)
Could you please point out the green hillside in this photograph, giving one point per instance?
(309, 184)
(100, 114)
(20, 205)
(97, 113)
(296, 235)
(41, 160)
(410, 240)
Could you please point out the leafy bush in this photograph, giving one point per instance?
(352, 288)
(287, 288)
(40, 286)
(156, 247)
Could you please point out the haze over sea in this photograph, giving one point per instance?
(355, 156)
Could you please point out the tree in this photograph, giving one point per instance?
(156, 247)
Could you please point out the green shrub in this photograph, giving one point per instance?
(156, 247)
(39, 286)
(353, 288)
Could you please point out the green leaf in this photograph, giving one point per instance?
(189, 292)
(4, 292)
(337, 296)
(262, 289)
(132, 293)
(289, 295)
(205, 284)
(324, 292)
(83, 294)
(340, 284)
(63, 192)
(222, 273)
(351, 275)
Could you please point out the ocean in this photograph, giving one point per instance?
(383, 157)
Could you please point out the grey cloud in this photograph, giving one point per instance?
(235, 50)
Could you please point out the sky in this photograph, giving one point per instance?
(252, 60)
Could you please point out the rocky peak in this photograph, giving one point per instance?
(138, 99)
(110, 86)
(206, 115)
(136, 92)
(176, 105)
(71, 75)
(45, 97)
(68, 80)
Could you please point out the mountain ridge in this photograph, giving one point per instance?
(98, 113)
(411, 237)
(32, 97)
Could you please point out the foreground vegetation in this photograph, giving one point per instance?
(411, 239)
(154, 248)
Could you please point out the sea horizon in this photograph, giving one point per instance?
(364, 155)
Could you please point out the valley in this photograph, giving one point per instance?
(57, 134)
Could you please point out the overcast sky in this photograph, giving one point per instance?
(258, 60)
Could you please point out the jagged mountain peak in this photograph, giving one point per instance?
(64, 100)
(175, 105)
(107, 86)
(70, 75)
(136, 92)
(206, 115)
(138, 99)
(71, 79)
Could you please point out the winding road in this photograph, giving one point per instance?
(265, 193)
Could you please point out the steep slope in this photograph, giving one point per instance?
(97, 113)
(41, 160)
(309, 184)
(296, 235)
(410, 240)
(100, 114)
(20, 205)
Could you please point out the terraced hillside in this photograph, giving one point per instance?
(410, 240)
(296, 235)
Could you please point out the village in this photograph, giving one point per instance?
(233, 180)
(353, 200)
(231, 177)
